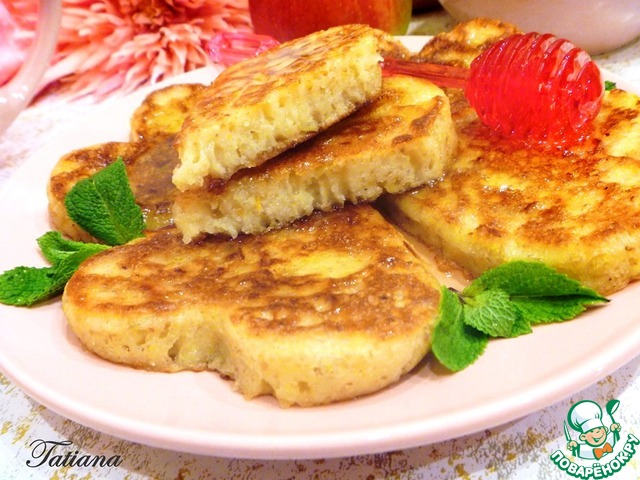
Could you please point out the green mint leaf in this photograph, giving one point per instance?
(455, 344)
(609, 85)
(55, 247)
(25, 286)
(547, 310)
(104, 206)
(522, 325)
(491, 312)
(22, 286)
(504, 302)
(529, 279)
(66, 267)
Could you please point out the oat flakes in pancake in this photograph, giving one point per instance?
(266, 104)
(330, 308)
(149, 159)
(402, 140)
(578, 212)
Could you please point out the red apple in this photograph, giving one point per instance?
(288, 19)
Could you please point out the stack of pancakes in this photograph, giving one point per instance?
(244, 163)
(265, 259)
(279, 274)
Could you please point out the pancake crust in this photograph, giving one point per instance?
(163, 111)
(577, 211)
(400, 141)
(464, 42)
(266, 104)
(331, 308)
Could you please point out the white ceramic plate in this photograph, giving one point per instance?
(199, 412)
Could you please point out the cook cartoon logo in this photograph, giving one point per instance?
(598, 442)
(596, 439)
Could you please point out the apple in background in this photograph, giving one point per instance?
(420, 5)
(288, 19)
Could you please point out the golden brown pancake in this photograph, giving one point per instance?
(163, 111)
(464, 42)
(266, 104)
(330, 308)
(577, 211)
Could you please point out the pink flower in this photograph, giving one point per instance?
(115, 46)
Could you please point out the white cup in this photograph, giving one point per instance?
(598, 26)
(16, 94)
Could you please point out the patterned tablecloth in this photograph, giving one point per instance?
(520, 449)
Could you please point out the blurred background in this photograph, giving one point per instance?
(112, 47)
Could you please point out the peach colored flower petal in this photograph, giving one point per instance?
(111, 47)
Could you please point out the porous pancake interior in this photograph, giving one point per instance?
(264, 105)
(333, 307)
(400, 141)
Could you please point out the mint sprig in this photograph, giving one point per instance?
(504, 302)
(104, 206)
(455, 344)
(55, 248)
(23, 286)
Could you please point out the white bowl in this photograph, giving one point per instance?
(597, 26)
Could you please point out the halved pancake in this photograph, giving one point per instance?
(577, 211)
(331, 308)
(149, 159)
(400, 141)
(264, 105)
